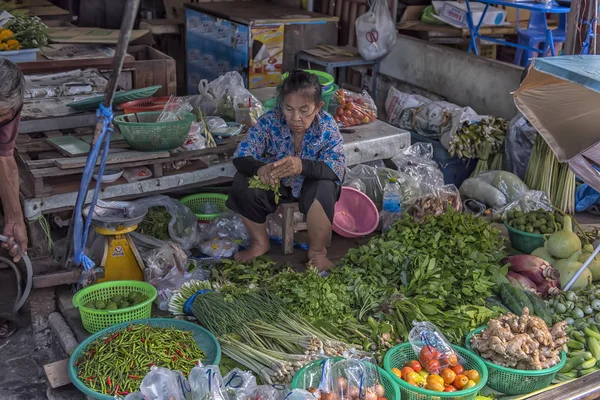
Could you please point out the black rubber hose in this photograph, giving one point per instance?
(22, 298)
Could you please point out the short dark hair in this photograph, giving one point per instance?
(12, 87)
(300, 81)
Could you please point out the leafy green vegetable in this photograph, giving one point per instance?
(254, 273)
(255, 183)
(156, 223)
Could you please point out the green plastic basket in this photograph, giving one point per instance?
(149, 135)
(326, 80)
(326, 96)
(514, 382)
(399, 355)
(524, 241)
(206, 341)
(95, 320)
(194, 201)
(313, 370)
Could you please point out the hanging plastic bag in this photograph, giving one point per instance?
(235, 102)
(520, 137)
(206, 101)
(207, 383)
(375, 31)
(183, 225)
(434, 351)
(350, 108)
(162, 383)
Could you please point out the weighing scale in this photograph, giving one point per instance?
(113, 250)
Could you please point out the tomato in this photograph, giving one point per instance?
(349, 106)
(336, 118)
(415, 365)
(470, 384)
(458, 369)
(451, 359)
(473, 375)
(436, 387)
(360, 101)
(449, 388)
(448, 376)
(365, 120)
(406, 370)
(411, 377)
(428, 353)
(435, 379)
(433, 367)
(460, 381)
(397, 372)
(339, 111)
(424, 374)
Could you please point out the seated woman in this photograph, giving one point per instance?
(300, 145)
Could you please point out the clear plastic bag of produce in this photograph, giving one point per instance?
(265, 392)
(350, 108)
(494, 188)
(417, 162)
(196, 139)
(531, 200)
(437, 202)
(175, 109)
(433, 350)
(375, 31)
(356, 184)
(206, 383)
(229, 226)
(318, 380)
(237, 381)
(234, 101)
(134, 396)
(299, 394)
(519, 140)
(396, 102)
(162, 383)
(219, 248)
(434, 119)
(215, 123)
(356, 378)
(183, 225)
(160, 262)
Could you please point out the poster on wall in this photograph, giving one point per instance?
(266, 56)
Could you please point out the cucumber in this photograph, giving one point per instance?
(575, 345)
(539, 307)
(585, 354)
(591, 363)
(514, 298)
(495, 302)
(588, 371)
(572, 363)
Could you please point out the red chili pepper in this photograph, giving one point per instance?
(90, 378)
(143, 340)
(108, 381)
(123, 393)
(167, 352)
(149, 365)
(196, 363)
(77, 364)
(175, 359)
(178, 353)
(117, 389)
(134, 377)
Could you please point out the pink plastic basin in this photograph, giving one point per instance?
(355, 214)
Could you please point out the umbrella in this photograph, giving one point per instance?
(560, 97)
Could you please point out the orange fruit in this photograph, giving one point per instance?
(460, 381)
(473, 375)
(448, 375)
(436, 387)
(397, 372)
(449, 388)
(435, 379)
(433, 367)
(415, 365)
(451, 359)
(405, 371)
(458, 369)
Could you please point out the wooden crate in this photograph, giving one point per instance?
(153, 67)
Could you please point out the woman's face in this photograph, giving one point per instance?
(299, 110)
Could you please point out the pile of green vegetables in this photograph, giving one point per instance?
(540, 221)
(256, 183)
(156, 223)
(116, 363)
(118, 302)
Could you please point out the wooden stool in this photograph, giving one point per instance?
(284, 216)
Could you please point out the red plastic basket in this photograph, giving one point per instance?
(355, 214)
(145, 105)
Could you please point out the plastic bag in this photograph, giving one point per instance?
(235, 102)
(354, 377)
(356, 184)
(206, 100)
(531, 200)
(417, 162)
(183, 225)
(196, 139)
(431, 345)
(216, 123)
(230, 227)
(207, 383)
(238, 381)
(132, 175)
(375, 31)
(508, 184)
(161, 384)
(175, 109)
(396, 102)
(265, 392)
(520, 137)
(434, 119)
(134, 396)
(300, 394)
(219, 248)
(437, 202)
(350, 108)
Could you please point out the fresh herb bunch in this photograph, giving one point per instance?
(29, 31)
(255, 183)
(156, 223)
(249, 274)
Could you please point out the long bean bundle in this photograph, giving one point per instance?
(117, 363)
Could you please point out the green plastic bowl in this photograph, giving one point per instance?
(194, 201)
(206, 341)
(149, 135)
(399, 355)
(524, 241)
(326, 96)
(271, 103)
(95, 320)
(514, 382)
(325, 79)
(314, 369)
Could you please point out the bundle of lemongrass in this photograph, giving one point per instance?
(545, 173)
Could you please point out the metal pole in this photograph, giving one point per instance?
(572, 25)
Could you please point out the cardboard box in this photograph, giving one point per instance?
(455, 14)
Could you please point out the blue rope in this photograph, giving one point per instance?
(80, 231)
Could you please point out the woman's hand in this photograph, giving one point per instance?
(264, 174)
(287, 166)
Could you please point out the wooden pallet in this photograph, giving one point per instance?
(45, 171)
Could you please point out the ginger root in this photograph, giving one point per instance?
(522, 342)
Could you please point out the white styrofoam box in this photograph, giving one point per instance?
(16, 56)
(455, 13)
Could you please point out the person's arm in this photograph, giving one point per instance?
(247, 165)
(318, 170)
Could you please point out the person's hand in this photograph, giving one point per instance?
(17, 237)
(264, 174)
(287, 166)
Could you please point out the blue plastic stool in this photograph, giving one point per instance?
(536, 36)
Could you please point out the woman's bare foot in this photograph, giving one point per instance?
(256, 249)
(319, 260)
